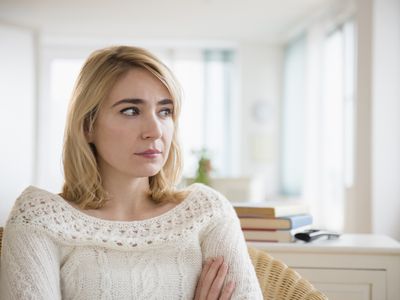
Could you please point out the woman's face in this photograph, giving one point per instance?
(134, 127)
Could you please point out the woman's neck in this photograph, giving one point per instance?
(128, 197)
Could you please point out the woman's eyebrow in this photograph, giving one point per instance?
(165, 102)
(141, 101)
(129, 100)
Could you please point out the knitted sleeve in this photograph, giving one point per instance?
(29, 265)
(225, 238)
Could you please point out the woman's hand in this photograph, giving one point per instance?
(212, 277)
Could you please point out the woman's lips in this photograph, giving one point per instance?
(149, 153)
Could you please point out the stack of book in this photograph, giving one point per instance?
(273, 221)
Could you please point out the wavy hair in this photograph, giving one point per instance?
(83, 183)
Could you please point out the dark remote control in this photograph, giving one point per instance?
(313, 234)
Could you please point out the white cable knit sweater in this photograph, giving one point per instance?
(51, 250)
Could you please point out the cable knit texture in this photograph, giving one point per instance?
(51, 250)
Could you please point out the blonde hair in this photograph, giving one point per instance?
(83, 183)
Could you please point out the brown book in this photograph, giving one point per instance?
(270, 209)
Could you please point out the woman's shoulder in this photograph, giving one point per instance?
(208, 199)
(33, 206)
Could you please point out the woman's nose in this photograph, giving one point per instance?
(152, 128)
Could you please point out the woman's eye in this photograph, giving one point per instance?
(130, 111)
(166, 112)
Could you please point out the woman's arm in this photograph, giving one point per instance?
(29, 265)
(225, 238)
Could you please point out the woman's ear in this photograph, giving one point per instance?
(88, 127)
(89, 134)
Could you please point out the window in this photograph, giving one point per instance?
(292, 141)
(318, 122)
(59, 80)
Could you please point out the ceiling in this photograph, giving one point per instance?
(238, 20)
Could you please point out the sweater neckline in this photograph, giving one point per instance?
(80, 214)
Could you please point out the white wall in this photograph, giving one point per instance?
(358, 197)
(260, 96)
(386, 117)
(17, 102)
(374, 203)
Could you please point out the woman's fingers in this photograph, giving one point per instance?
(203, 274)
(210, 277)
(227, 291)
(216, 287)
(211, 281)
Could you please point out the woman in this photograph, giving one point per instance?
(120, 229)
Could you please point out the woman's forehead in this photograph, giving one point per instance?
(138, 83)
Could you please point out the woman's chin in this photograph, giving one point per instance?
(149, 172)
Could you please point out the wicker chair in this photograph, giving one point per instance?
(277, 281)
